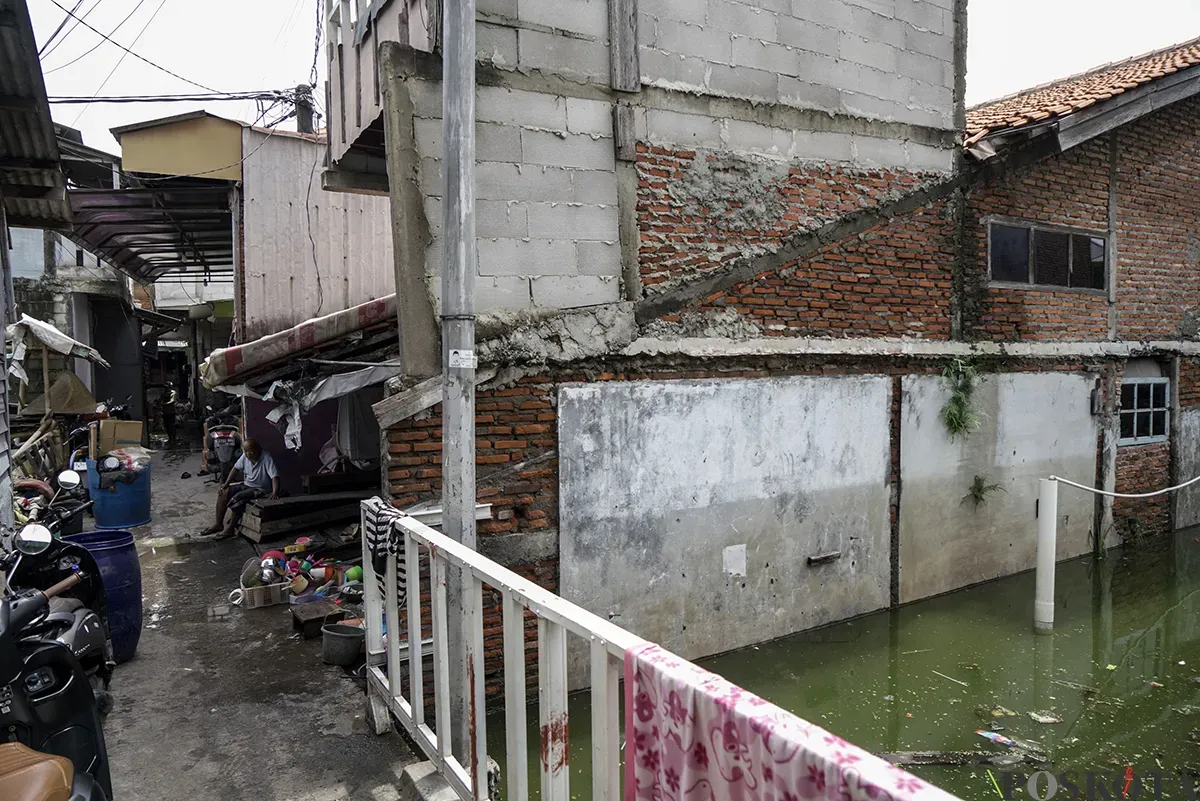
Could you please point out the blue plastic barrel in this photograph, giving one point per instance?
(121, 574)
(124, 505)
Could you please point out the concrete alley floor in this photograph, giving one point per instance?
(234, 708)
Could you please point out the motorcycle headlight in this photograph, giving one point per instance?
(39, 681)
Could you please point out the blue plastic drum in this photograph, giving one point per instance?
(122, 506)
(121, 574)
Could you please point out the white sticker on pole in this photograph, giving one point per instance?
(465, 359)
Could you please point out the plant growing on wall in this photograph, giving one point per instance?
(959, 414)
(980, 490)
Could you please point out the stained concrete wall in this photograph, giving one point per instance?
(1187, 452)
(1033, 425)
(688, 509)
(546, 197)
(883, 59)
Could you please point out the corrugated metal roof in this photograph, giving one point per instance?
(173, 226)
(30, 174)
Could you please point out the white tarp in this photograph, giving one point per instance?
(28, 333)
(294, 401)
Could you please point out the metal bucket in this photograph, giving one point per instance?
(341, 644)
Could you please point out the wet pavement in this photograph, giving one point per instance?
(214, 709)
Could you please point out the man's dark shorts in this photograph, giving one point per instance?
(239, 496)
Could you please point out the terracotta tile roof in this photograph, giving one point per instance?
(1063, 97)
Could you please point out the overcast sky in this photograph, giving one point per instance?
(244, 45)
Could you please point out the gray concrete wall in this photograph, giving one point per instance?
(546, 197)
(1187, 451)
(883, 59)
(688, 509)
(1033, 425)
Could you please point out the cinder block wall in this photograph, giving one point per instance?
(883, 59)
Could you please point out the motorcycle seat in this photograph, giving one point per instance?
(27, 775)
(61, 604)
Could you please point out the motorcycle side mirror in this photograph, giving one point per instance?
(69, 480)
(34, 539)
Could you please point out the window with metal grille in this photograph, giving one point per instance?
(1145, 410)
(1047, 257)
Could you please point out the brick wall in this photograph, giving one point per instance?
(1142, 468)
(1189, 382)
(1158, 281)
(1069, 189)
(697, 211)
(894, 279)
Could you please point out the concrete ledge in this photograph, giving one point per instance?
(422, 782)
(703, 347)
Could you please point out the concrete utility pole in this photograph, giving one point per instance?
(304, 109)
(458, 348)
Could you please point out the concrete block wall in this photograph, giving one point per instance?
(546, 197)
(883, 59)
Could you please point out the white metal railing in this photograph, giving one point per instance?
(556, 618)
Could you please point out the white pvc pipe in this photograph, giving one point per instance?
(1047, 516)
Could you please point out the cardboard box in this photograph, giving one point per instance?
(111, 435)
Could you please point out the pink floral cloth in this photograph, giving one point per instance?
(693, 736)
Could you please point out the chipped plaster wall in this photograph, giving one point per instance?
(688, 508)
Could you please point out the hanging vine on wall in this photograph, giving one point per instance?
(959, 414)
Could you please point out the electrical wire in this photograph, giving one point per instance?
(73, 28)
(58, 30)
(275, 96)
(121, 60)
(135, 55)
(97, 45)
(312, 80)
(312, 241)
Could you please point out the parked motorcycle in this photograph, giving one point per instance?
(224, 441)
(47, 708)
(79, 619)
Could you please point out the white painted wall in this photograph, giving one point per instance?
(1033, 425)
(688, 508)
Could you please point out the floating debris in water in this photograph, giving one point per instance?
(889, 698)
(1154, 684)
(1076, 686)
(1188, 709)
(1111, 667)
(1045, 717)
(948, 678)
(1003, 712)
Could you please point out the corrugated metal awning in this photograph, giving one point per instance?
(31, 179)
(172, 227)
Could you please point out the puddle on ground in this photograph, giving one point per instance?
(1121, 671)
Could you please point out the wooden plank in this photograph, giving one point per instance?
(624, 133)
(625, 68)
(321, 483)
(424, 395)
(283, 525)
(283, 508)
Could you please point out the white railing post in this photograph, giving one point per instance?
(416, 661)
(606, 725)
(475, 690)
(516, 744)
(392, 611)
(441, 658)
(1047, 547)
(552, 711)
(372, 603)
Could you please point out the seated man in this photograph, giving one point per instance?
(253, 476)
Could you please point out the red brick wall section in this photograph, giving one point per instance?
(1142, 468)
(1070, 189)
(1158, 281)
(1189, 382)
(892, 280)
(697, 211)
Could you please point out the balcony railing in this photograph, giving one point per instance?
(419, 548)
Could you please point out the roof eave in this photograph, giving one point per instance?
(1101, 118)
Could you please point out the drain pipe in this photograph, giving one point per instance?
(1047, 546)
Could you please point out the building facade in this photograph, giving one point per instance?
(816, 359)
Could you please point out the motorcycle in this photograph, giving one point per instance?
(78, 620)
(224, 442)
(47, 708)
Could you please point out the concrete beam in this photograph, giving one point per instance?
(703, 347)
(354, 183)
(420, 348)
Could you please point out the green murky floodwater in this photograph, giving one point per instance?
(875, 682)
